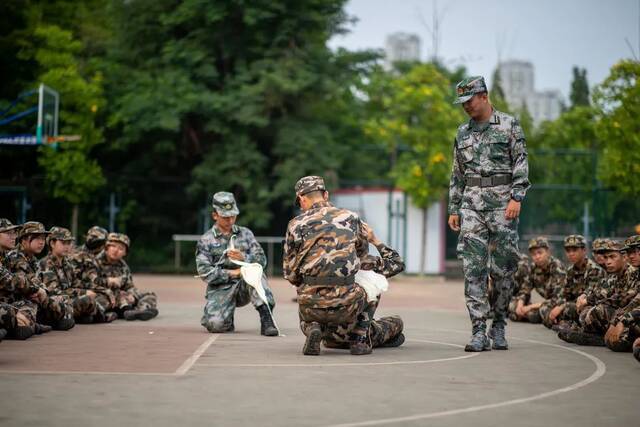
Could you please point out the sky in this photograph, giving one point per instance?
(554, 35)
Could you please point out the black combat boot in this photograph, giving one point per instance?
(578, 336)
(312, 344)
(3, 333)
(636, 352)
(64, 324)
(396, 341)
(41, 328)
(139, 314)
(267, 327)
(84, 320)
(496, 333)
(22, 332)
(360, 346)
(479, 340)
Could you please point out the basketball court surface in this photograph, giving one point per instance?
(171, 372)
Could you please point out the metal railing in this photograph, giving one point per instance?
(269, 241)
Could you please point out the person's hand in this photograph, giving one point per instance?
(235, 274)
(39, 296)
(513, 209)
(555, 312)
(22, 320)
(235, 254)
(521, 310)
(454, 222)
(613, 333)
(581, 302)
(90, 294)
(113, 282)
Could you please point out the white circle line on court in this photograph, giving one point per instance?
(322, 365)
(601, 369)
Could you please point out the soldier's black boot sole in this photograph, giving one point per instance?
(397, 341)
(636, 353)
(3, 333)
(312, 344)
(22, 332)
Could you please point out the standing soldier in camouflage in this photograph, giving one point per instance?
(386, 331)
(58, 277)
(489, 180)
(582, 274)
(226, 289)
(52, 310)
(131, 303)
(18, 315)
(599, 304)
(322, 252)
(625, 327)
(86, 269)
(547, 278)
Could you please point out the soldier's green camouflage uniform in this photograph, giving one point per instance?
(322, 251)
(58, 277)
(608, 296)
(522, 272)
(382, 330)
(128, 297)
(225, 293)
(55, 310)
(489, 168)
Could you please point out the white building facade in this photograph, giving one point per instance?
(401, 47)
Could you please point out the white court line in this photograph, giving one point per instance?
(322, 365)
(596, 375)
(184, 368)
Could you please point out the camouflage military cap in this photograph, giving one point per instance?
(60, 233)
(632, 242)
(6, 225)
(308, 184)
(598, 245)
(118, 238)
(96, 234)
(611, 245)
(538, 242)
(32, 227)
(469, 87)
(575, 241)
(225, 204)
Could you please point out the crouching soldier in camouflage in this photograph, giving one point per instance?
(547, 278)
(322, 251)
(582, 274)
(17, 314)
(52, 310)
(625, 328)
(58, 277)
(131, 303)
(489, 180)
(85, 267)
(598, 306)
(226, 290)
(383, 332)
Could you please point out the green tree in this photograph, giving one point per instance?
(618, 103)
(579, 95)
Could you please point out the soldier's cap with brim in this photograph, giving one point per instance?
(538, 242)
(308, 184)
(60, 233)
(575, 241)
(225, 204)
(118, 238)
(469, 87)
(632, 242)
(612, 246)
(6, 225)
(31, 228)
(96, 234)
(598, 245)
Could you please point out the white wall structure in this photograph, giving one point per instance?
(401, 47)
(400, 224)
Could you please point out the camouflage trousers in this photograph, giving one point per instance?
(624, 340)
(83, 305)
(8, 316)
(570, 312)
(222, 301)
(54, 309)
(488, 244)
(28, 310)
(136, 299)
(596, 319)
(335, 307)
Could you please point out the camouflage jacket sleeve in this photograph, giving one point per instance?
(597, 290)
(48, 277)
(526, 288)
(127, 278)
(389, 263)
(208, 268)
(557, 282)
(631, 312)
(292, 245)
(23, 273)
(255, 252)
(519, 162)
(456, 183)
(12, 282)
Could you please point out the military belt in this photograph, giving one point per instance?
(488, 181)
(329, 280)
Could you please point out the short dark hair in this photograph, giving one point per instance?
(318, 194)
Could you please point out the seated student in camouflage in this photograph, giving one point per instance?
(83, 259)
(547, 278)
(17, 315)
(581, 274)
(598, 253)
(52, 310)
(624, 330)
(58, 277)
(226, 290)
(131, 303)
(598, 305)
(383, 332)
